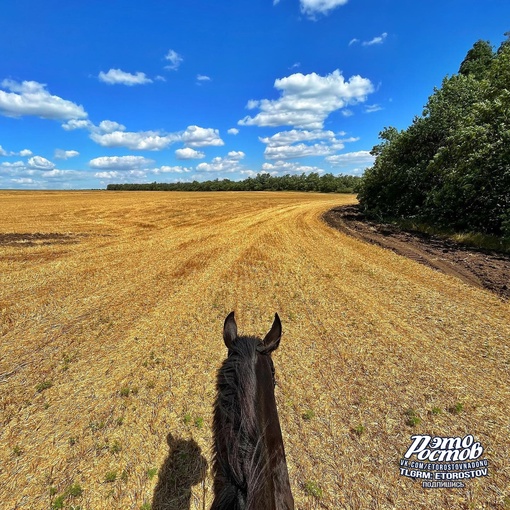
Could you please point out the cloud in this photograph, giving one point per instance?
(118, 77)
(201, 77)
(15, 165)
(284, 145)
(74, 124)
(143, 140)
(313, 7)
(233, 131)
(109, 126)
(196, 136)
(294, 135)
(285, 167)
(40, 163)
(113, 134)
(376, 40)
(351, 158)
(108, 175)
(229, 163)
(170, 170)
(175, 60)
(373, 108)
(23, 153)
(188, 153)
(301, 150)
(120, 163)
(62, 154)
(307, 100)
(32, 98)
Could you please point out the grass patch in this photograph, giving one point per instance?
(308, 415)
(457, 408)
(358, 430)
(412, 418)
(43, 386)
(152, 472)
(110, 477)
(115, 447)
(472, 239)
(73, 491)
(313, 489)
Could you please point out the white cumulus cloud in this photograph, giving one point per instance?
(351, 158)
(143, 140)
(196, 136)
(40, 163)
(229, 163)
(286, 167)
(233, 131)
(188, 153)
(289, 144)
(307, 100)
(62, 154)
(170, 170)
(119, 77)
(120, 163)
(32, 98)
(109, 126)
(313, 7)
(74, 124)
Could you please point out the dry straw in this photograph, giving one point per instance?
(111, 339)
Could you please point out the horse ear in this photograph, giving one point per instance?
(272, 339)
(229, 330)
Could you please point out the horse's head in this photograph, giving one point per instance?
(263, 347)
(249, 464)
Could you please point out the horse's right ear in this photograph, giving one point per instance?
(229, 330)
(272, 339)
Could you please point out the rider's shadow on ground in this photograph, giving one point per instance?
(184, 467)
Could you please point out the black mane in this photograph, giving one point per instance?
(235, 419)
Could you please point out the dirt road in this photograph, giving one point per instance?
(481, 268)
(112, 306)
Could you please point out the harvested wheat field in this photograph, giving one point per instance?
(112, 307)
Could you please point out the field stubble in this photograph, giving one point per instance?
(112, 306)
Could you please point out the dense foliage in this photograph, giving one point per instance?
(327, 183)
(451, 167)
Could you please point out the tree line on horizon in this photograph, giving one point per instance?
(312, 182)
(451, 166)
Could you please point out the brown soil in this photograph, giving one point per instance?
(36, 239)
(481, 268)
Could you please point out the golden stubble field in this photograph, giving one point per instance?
(111, 336)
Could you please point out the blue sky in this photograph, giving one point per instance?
(140, 91)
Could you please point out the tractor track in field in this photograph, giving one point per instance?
(480, 268)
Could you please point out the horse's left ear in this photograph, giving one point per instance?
(272, 339)
(229, 330)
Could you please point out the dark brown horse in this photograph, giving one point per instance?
(250, 471)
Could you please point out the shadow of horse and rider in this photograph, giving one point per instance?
(184, 467)
(249, 465)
